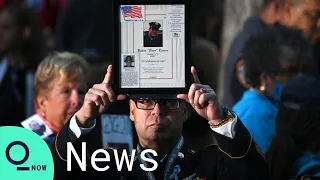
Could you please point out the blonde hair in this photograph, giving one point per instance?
(68, 66)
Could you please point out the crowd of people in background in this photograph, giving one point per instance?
(52, 52)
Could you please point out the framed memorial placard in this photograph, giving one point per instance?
(152, 47)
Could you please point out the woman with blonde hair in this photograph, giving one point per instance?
(59, 86)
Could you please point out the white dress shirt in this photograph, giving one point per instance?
(227, 129)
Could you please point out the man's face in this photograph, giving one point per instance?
(153, 32)
(159, 123)
(304, 16)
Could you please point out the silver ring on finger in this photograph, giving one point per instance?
(202, 90)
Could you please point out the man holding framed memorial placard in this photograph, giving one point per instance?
(158, 109)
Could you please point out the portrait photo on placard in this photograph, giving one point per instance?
(128, 61)
(153, 33)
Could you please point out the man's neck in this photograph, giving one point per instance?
(162, 147)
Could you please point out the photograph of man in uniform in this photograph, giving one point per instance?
(153, 37)
(129, 61)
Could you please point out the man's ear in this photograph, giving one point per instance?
(132, 108)
(186, 115)
(186, 110)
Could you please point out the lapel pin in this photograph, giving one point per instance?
(181, 155)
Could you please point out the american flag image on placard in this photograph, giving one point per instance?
(132, 11)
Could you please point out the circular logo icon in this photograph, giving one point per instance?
(24, 155)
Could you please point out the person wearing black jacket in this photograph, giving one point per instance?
(158, 123)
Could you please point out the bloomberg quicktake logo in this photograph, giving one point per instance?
(24, 159)
(24, 155)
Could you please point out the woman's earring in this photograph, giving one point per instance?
(262, 88)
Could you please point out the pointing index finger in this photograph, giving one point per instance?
(195, 75)
(107, 77)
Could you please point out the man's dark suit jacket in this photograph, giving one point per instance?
(236, 158)
(155, 42)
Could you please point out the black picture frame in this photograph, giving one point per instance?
(159, 93)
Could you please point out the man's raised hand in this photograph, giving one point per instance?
(97, 99)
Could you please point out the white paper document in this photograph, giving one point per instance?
(152, 46)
